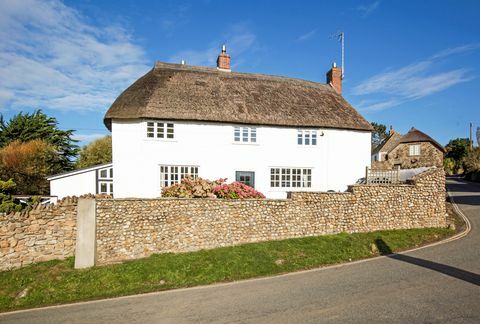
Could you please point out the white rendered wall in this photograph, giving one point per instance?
(338, 159)
(74, 185)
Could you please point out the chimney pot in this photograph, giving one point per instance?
(223, 60)
(334, 78)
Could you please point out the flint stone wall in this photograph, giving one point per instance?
(135, 228)
(47, 232)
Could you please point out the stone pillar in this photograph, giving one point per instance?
(85, 249)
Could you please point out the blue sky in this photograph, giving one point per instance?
(408, 63)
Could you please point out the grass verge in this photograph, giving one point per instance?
(56, 282)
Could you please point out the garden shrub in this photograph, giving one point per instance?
(7, 202)
(236, 190)
(202, 188)
(192, 188)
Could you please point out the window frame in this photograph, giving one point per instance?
(291, 177)
(160, 130)
(414, 150)
(245, 135)
(307, 137)
(168, 178)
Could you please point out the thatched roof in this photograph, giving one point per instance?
(415, 136)
(389, 143)
(182, 92)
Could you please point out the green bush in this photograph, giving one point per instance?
(7, 202)
(449, 165)
(472, 161)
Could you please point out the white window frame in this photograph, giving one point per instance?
(172, 174)
(108, 185)
(105, 177)
(289, 177)
(160, 130)
(244, 135)
(307, 137)
(414, 150)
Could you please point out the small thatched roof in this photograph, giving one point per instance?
(389, 143)
(415, 136)
(182, 92)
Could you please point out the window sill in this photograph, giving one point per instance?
(245, 143)
(173, 140)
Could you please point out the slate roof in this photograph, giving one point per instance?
(183, 92)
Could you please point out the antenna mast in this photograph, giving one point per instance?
(341, 38)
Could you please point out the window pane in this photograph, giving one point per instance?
(111, 188)
(103, 188)
(103, 173)
(314, 138)
(307, 138)
(299, 138)
(111, 172)
(236, 134)
(253, 135)
(244, 134)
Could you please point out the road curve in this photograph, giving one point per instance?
(436, 284)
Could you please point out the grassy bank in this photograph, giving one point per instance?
(56, 282)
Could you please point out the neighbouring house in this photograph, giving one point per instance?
(276, 134)
(412, 150)
(97, 179)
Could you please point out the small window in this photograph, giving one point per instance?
(414, 149)
(245, 134)
(160, 130)
(307, 137)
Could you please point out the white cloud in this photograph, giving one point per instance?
(308, 35)
(411, 82)
(239, 40)
(86, 138)
(368, 8)
(52, 57)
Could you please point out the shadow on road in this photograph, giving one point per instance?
(439, 267)
(466, 200)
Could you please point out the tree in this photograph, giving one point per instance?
(7, 202)
(25, 127)
(28, 164)
(97, 152)
(379, 134)
(457, 149)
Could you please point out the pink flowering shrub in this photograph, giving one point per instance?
(192, 188)
(236, 190)
(202, 188)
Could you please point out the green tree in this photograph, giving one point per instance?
(457, 149)
(25, 127)
(97, 152)
(379, 134)
(7, 202)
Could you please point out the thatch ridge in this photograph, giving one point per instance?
(190, 93)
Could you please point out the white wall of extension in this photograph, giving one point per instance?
(338, 159)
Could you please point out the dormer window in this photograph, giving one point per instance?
(160, 130)
(307, 137)
(245, 134)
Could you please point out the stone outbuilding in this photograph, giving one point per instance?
(412, 150)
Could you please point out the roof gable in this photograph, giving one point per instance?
(180, 92)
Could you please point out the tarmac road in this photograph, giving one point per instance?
(435, 284)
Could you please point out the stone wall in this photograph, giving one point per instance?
(134, 228)
(42, 234)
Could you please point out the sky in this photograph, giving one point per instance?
(407, 63)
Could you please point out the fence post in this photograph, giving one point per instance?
(366, 174)
(86, 247)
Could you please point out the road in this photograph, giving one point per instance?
(436, 284)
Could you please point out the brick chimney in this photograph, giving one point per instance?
(334, 78)
(223, 60)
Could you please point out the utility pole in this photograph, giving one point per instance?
(471, 138)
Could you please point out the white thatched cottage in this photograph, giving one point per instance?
(274, 133)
